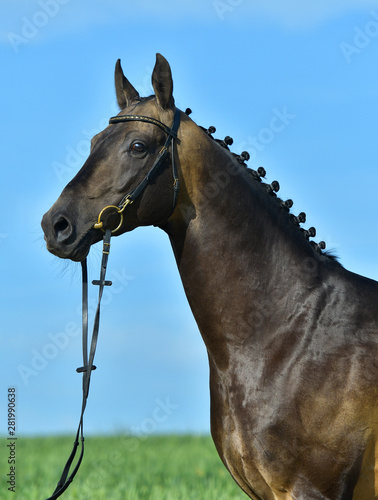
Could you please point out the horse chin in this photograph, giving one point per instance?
(78, 250)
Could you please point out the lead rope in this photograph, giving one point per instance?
(88, 365)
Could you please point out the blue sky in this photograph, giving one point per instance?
(237, 64)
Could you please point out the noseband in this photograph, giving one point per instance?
(88, 366)
(133, 194)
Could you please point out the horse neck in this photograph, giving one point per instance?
(233, 252)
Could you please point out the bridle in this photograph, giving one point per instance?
(129, 198)
(133, 194)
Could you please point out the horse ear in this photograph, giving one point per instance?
(162, 82)
(125, 92)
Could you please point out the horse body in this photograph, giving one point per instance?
(288, 334)
(291, 335)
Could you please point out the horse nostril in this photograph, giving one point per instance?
(61, 225)
(62, 229)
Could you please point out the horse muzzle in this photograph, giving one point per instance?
(64, 239)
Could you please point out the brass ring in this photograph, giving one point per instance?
(100, 225)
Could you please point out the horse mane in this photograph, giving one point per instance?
(256, 176)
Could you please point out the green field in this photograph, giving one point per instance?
(124, 468)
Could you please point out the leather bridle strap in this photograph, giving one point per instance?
(148, 119)
(153, 172)
(171, 136)
(88, 365)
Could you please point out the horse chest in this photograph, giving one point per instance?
(270, 451)
(240, 424)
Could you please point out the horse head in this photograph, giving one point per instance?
(120, 159)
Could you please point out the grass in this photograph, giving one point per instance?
(124, 468)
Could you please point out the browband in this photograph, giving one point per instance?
(147, 119)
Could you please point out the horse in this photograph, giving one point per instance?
(291, 335)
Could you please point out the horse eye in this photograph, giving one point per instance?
(138, 147)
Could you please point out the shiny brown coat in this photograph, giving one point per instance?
(291, 335)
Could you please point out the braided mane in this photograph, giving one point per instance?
(271, 190)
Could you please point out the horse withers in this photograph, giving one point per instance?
(291, 335)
